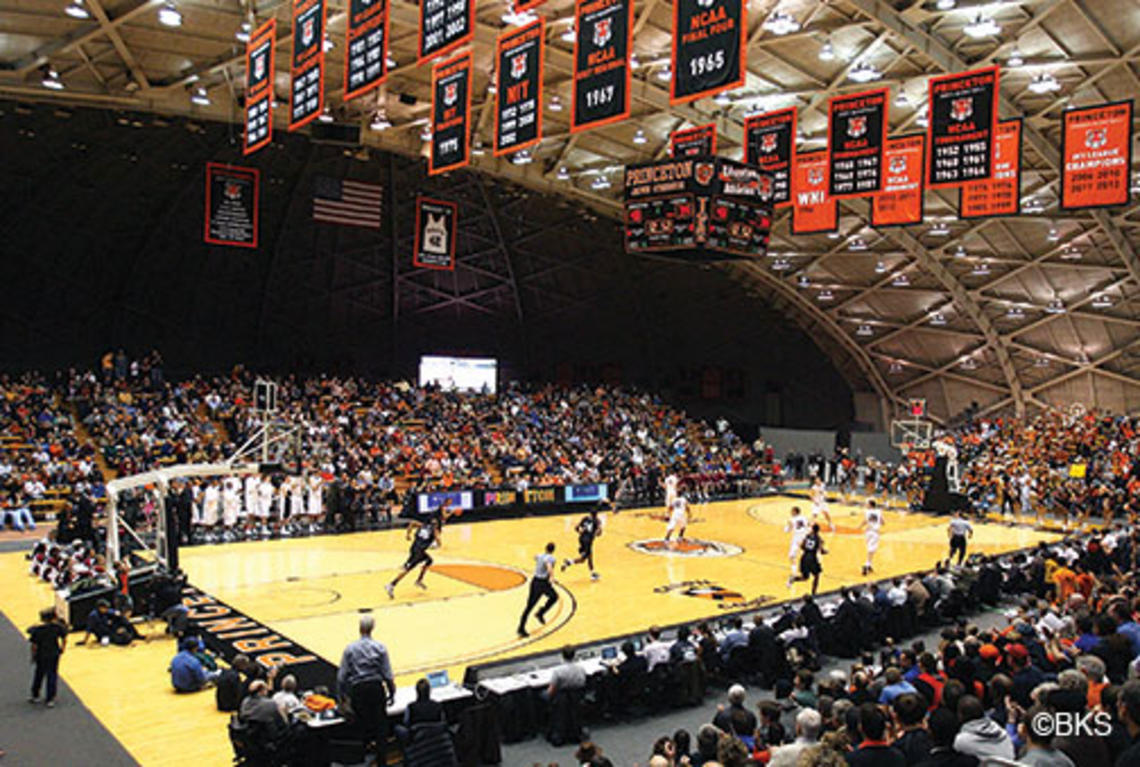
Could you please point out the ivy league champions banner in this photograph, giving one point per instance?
(856, 137)
(963, 113)
(259, 87)
(603, 41)
(307, 91)
(444, 26)
(708, 47)
(231, 205)
(366, 38)
(1096, 156)
(518, 98)
(901, 201)
(436, 221)
(450, 107)
(770, 142)
(694, 141)
(814, 210)
(1001, 194)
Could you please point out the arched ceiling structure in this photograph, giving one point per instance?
(1018, 313)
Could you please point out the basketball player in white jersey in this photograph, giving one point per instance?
(265, 492)
(819, 503)
(799, 527)
(671, 482)
(211, 506)
(231, 506)
(314, 507)
(252, 482)
(871, 525)
(678, 518)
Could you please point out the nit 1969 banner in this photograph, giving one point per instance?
(259, 87)
(901, 201)
(1096, 156)
(963, 112)
(307, 90)
(518, 98)
(814, 210)
(366, 38)
(445, 25)
(856, 137)
(231, 205)
(708, 47)
(693, 141)
(1001, 194)
(436, 222)
(770, 142)
(451, 105)
(603, 41)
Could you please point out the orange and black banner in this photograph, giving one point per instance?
(1096, 156)
(259, 63)
(436, 223)
(694, 141)
(231, 205)
(856, 137)
(963, 114)
(901, 201)
(602, 45)
(708, 47)
(1001, 194)
(814, 210)
(444, 26)
(526, 5)
(770, 142)
(366, 38)
(518, 98)
(307, 85)
(450, 108)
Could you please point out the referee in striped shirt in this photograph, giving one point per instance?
(959, 530)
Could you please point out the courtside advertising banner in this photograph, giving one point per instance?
(1001, 194)
(814, 210)
(856, 137)
(436, 222)
(901, 201)
(708, 47)
(602, 44)
(518, 98)
(366, 37)
(963, 114)
(259, 87)
(770, 142)
(694, 141)
(1096, 156)
(451, 105)
(307, 89)
(231, 205)
(444, 26)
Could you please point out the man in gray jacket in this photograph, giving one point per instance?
(980, 736)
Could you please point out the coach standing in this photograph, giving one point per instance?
(540, 586)
(48, 640)
(365, 678)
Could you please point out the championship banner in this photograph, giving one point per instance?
(694, 141)
(603, 41)
(963, 113)
(1001, 194)
(436, 222)
(518, 98)
(366, 38)
(522, 6)
(770, 142)
(814, 211)
(1096, 156)
(259, 87)
(708, 48)
(450, 108)
(856, 138)
(307, 89)
(444, 26)
(231, 205)
(901, 201)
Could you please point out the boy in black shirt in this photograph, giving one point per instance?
(424, 537)
(48, 640)
(588, 528)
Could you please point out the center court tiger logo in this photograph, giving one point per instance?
(689, 547)
(961, 109)
(518, 66)
(768, 143)
(857, 126)
(603, 31)
(1095, 138)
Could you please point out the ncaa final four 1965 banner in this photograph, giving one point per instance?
(856, 137)
(307, 91)
(1096, 156)
(518, 98)
(602, 44)
(231, 205)
(259, 86)
(366, 38)
(963, 113)
(708, 47)
(451, 104)
(770, 142)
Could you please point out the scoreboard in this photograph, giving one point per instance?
(698, 208)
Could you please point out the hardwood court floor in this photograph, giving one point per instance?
(312, 589)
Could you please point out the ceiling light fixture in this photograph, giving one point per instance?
(1015, 313)
(1056, 306)
(1053, 235)
(1015, 59)
(895, 367)
(825, 295)
(200, 97)
(981, 270)
(901, 281)
(1071, 253)
(939, 230)
(864, 72)
(781, 265)
(780, 23)
(76, 10)
(563, 174)
(665, 74)
(169, 16)
(722, 99)
(569, 35)
(639, 137)
(634, 62)
(982, 27)
(522, 157)
(425, 131)
(1103, 301)
(880, 267)
(803, 281)
(827, 51)
(51, 79)
(1044, 83)
(328, 44)
(945, 5)
(555, 103)
(857, 243)
(477, 147)
(901, 100)
(601, 182)
(969, 363)
(865, 331)
(938, 319)
(380, 122)
(960, 252)
(327, 116)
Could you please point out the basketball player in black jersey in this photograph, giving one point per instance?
(423, 538)
(810, 549)
(589, 528)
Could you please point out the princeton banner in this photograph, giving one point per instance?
(231, 205)
(856, 138)
(694, 141)
(366, 38)
(602, 45)
(518, 98)
(708, 47)
(259, 63)
(1096, 156)
(901, 201)
(444, 26)
(770, 142)
(436, 222)
(450, 110)
(963, 114)
(814, 211)
(1001, 194)
(307, 89)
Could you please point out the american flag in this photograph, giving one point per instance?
(352, 203)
